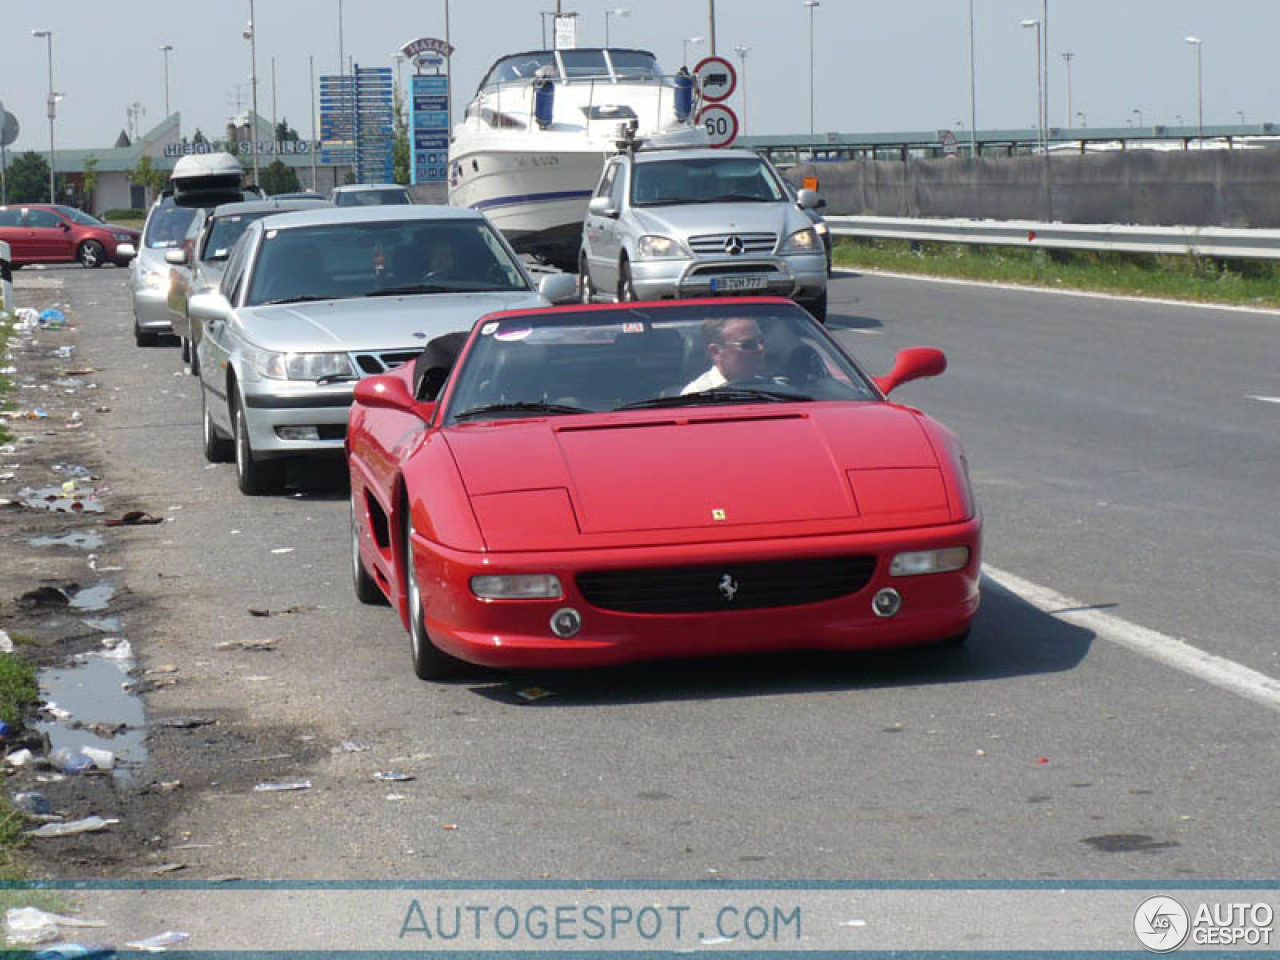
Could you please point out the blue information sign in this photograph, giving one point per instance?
(429, 124)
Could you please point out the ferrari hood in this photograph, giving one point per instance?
(724, 472)
(372, 323)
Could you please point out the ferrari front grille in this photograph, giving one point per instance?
(727, 586)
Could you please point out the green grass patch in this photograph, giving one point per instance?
(17, 687)
(1240, 282)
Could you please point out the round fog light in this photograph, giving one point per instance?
(566, 622)
(886, 602)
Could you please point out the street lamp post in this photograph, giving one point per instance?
(973, 92)
(1138, 113)
(619, 12)
(1084, 122)
(48, 36)
(742, 52)
(1196, 42)
(165, 48)
(1039, 83)
(1067, 57)
(251, 34)
(684, 61)
(812, 5)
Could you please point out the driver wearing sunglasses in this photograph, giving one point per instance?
(736, 348)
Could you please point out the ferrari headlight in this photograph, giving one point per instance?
(802, 241)
(653, 247)
(919, 562)
(519, 586)
(304, 366)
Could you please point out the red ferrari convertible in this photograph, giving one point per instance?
(591, 485)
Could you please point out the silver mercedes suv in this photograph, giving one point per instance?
(698, 223)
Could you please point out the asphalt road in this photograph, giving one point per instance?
(1118, 460)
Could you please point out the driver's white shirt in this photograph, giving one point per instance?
(708, 381)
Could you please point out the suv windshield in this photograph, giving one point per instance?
(340, 260)
(167, 225)
(225, 231)
(703, 180)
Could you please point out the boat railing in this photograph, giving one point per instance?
(511, 103)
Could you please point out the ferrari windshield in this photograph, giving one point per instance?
(651, 356)
(381, 258)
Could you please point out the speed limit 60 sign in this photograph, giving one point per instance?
(720, 122)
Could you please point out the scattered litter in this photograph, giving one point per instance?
(87, 825)
(71, 762)
(396, 796)
(168, 868)
(261, 645)
(225, 878)
(102, 759)
(44, 597)
(282, 786)
(34, 803)
(1042, 760)
(6, 732)
(52, 319)
(161, 941)
(76, 951)
(395, 775)
(20, 758)
(283, 550)
(106, 731)
(33, 925)
(448, 826)
(117, 648)
(168, 786)
(183, 723)
(134, 518)
(162, 669)
(272, 756)
(287, 611)
(979, 752)
(354, 746)
(530, 694)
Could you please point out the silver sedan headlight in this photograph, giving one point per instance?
(303, 366)
(802, 241)
(654, 247)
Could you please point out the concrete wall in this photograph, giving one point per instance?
(1235, 188)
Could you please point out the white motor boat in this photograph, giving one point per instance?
(534, 139)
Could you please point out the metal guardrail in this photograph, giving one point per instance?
(1187, 241)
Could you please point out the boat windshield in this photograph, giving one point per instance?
(575, 65)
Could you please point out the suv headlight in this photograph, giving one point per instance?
(653, 247)
(304, 366)
(802, 241)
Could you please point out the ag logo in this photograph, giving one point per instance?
(1161, 924)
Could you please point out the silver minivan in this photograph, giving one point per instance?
(676, 223)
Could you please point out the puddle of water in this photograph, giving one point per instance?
(83, 539)
(57, 500)
(94, 598)
(91, 690)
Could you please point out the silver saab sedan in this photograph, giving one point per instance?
(311, 302)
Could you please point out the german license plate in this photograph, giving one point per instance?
(738, 284)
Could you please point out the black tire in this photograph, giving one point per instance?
(954, 643)
(91, 254)
(186, 353)
(217, 448)
(366, 588)
(626, 289)
(429, 661)
(144, 338)
(817, 307)
(193, 366)
(254, 477)
(586, 289)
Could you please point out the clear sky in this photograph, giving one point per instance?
(879, 64)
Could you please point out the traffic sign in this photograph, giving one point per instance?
(720, 122)
(716, 79)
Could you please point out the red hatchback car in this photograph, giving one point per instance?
(595, 485)
(41, 233)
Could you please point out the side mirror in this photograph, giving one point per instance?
(807, 200)
(177, 256)
(913, 363)
(387, 392)
(211, 307)
(602, 207)
(558, 287)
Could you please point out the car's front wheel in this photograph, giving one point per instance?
(254, 476)
(586, 289)
(429, 661)
(217, 448)
(626, 289)
(366, 588)
(91, 254)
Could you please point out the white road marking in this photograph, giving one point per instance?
(1170, 651)
(846, 272)
(1264, 399)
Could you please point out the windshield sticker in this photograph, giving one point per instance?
(488, 328)
(515, 333)
(219, 253)
(271, 234)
